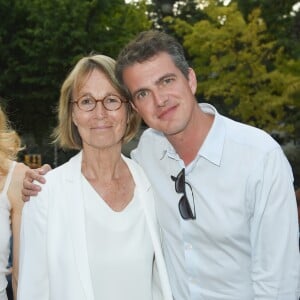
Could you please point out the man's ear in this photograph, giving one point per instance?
(192, 80)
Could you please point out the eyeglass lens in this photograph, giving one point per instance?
(110, 102)
(184, 205)
(180, 182)
(185, 208)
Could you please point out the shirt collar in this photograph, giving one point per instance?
(212, 147)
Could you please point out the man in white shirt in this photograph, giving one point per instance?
(224, 190)
(230, 228)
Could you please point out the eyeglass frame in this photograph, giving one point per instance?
(99, 100)
(184, 204)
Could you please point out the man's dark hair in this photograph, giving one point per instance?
(146, 45)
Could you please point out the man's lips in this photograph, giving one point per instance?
(166, 112)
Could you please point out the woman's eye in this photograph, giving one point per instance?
(112, 100)
(86, 101)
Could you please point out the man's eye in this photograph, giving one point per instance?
(142, 94)
(168, 80)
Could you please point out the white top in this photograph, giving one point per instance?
(5, 232)
(55, 262)
(244, 241)
(119, 248)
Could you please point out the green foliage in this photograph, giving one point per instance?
(236, 62)
(281, 23)
(42, 39)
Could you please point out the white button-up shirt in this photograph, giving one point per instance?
(243, 244)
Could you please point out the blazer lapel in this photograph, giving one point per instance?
(145, 194)
(76, 223)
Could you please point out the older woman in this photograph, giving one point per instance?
(11, 181)
(92, 233)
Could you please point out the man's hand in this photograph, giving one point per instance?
(29, 188)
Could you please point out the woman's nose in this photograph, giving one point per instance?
(100, 109)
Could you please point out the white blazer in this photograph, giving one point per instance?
(53, 252)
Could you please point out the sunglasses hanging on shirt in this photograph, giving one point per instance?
(184, 205)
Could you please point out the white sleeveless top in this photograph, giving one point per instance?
(5, 232)
(119, 247)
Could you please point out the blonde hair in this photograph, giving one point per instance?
(66, 133)
(10, 143)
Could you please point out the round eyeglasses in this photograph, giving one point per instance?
(109, 102)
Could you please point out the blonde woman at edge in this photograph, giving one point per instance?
(11, 181)
(92, 232)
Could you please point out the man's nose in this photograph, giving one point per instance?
(160, 98)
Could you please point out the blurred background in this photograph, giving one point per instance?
(246, 54)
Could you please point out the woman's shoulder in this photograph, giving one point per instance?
(18, 173)
(20, 170)
(69, 169)
(16, 184)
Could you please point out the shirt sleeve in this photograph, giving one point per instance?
(33, 275)
(274, 229)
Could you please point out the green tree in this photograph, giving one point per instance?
(185, 10)
(236, 61)
(41, 40)
(282, 22)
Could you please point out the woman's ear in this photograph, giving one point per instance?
(74, 119)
